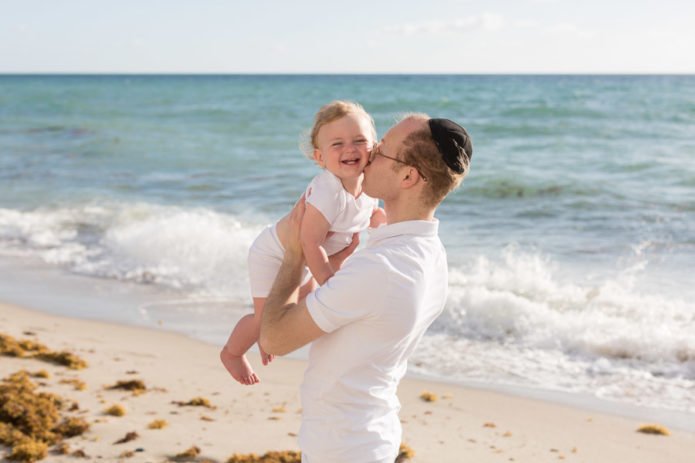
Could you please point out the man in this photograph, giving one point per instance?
(366, 320)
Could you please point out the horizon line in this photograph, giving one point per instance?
(203, 73)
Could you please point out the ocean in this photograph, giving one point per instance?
(571, 244)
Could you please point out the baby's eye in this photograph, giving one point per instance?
(337, 143)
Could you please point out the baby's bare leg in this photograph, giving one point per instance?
(245, 334)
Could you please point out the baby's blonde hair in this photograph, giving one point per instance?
(327, 114)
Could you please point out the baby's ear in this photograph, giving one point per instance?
(318, 155)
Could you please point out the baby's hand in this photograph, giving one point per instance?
(378, 218)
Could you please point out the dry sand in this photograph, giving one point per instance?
(463, 425)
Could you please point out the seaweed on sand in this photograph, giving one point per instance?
(27, 348)
(137, 386)
(195, 402)
(29, 419)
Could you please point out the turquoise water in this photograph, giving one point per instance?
(571, 244)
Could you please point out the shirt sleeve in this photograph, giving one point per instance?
(354, 293)
(325, 193)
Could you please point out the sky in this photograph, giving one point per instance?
(373, 36)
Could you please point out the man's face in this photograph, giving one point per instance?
(380, 179)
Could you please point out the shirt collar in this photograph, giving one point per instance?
(408, 227)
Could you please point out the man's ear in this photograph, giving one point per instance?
(410, 177)
(318, 155)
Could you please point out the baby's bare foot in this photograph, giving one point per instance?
(239, 368)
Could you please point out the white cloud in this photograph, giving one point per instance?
(525, 23)
(486, 21)
(492, 21)
(570, 29)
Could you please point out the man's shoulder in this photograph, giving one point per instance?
(408, 253)
(398, 242)
(370, 258)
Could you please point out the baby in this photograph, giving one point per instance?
(341, 139)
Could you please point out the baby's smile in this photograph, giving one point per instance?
(351, 161)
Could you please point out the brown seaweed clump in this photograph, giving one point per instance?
(77, 383)
(115, 410)
(188, 454)
(31, 414)
(285, 456)
(129, 436)
(158, 424)
(428, 397)
(136, 386)
(404, 453)
(64, 358)
(195, 402)
(28, 450)
(28, 419)
(10, 347)
(654, 429)
(26, 348)
(62, 449)
(71, 427)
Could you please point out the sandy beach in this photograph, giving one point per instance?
(463, 424)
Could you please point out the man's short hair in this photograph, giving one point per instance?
(421, 151)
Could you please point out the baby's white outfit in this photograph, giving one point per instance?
(345, 213)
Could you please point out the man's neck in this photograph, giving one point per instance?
(401, 211)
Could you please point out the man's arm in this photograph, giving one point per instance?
(286, 324)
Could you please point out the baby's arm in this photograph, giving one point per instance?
(378, 218)
(339, 257)
(313, 234)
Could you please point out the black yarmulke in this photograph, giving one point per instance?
(453, 143)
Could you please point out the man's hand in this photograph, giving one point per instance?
(294, 244)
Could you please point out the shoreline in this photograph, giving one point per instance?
(265, 417)
(35, 286)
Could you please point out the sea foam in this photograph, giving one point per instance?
(197, 250)
(514, 319)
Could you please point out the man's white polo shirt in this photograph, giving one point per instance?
(374, 310)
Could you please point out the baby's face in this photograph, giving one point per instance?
(344, 145)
